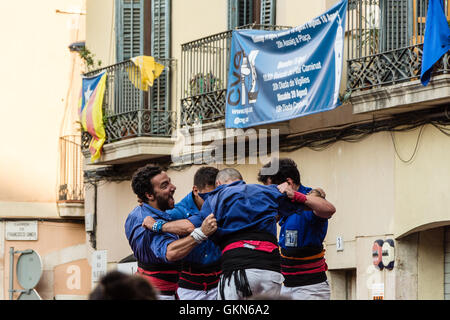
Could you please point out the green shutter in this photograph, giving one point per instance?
(396, 19)
(240, 13)
(129, 29)
(268, 12)
(160, 50)
(233, 14)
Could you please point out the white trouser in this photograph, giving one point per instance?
(188, 294)
(262, 283)
(163, 297)
(318, 291)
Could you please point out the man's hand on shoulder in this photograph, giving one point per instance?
(287, 189)
(209, 225)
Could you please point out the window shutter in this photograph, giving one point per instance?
(233, 14)
(160, 29)
(396, 24)
(240, 13)
(268, 12)
(160, 50)
(129, 29)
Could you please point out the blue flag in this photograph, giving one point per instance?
(436, 40)
(280, 75)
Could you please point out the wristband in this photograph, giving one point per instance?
(299, 197)
(198, 235)
(157, 226)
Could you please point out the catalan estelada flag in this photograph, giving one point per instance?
(90, 112)
(144, 71)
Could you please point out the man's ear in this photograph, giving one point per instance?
(195, 190)
(290, 182)
(150, 197)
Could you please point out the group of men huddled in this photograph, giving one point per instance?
(220, 241)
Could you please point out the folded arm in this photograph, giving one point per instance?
(179, 249)
(315, 200)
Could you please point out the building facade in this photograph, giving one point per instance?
(41, 191)
(382, 156)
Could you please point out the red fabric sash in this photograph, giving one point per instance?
(204, 284)
(318, 266)
(162, 285)
(265, 246)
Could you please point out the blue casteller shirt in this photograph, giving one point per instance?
(205, 253)
(238, 206)
(302, 229)
(148, 247)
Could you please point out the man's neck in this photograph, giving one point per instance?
(197, 202)
(154, 205)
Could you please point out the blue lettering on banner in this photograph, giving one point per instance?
(280, 75)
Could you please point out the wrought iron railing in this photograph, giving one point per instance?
(385, 42)
(131, 112)
(204, 75)
(71, 169)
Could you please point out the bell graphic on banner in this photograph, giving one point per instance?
(252, 95)
(245, 72)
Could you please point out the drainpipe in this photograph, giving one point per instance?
(11, 273)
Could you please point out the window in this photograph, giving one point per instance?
(142, 28)
(396, 22)
(129, 29)
(245, 12)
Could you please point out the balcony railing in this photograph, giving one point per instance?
(71, 187)
(385, 42)
(204, 76)
(130, 112)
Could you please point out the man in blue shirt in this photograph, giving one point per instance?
(201, 267)
(301, 236)
(246, 217)
(158, 254)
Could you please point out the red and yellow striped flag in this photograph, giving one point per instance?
(91, 114)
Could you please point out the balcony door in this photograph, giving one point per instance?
(245, 12)
(143, 28)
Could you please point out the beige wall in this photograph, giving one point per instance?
(431, 265)
(37, 69)
(114, 202)
(421, 187)
(61, 246)
(100, 30)
(295, 13)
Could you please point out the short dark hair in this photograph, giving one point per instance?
(141, 181)
(116, 285)
(287, 169)
(205, 176)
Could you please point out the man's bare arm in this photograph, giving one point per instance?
(180, 227)
(180, 248)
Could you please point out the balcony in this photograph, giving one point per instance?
(204, 76)
(384, 51)
(138, 124)
(71, 188)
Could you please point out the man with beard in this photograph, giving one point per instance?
(158, 254)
